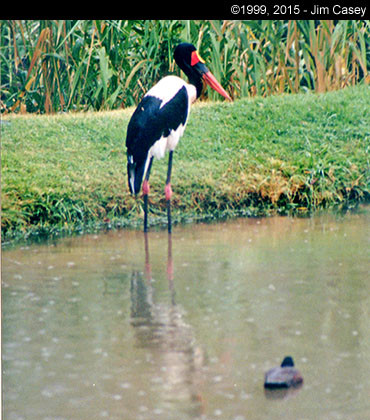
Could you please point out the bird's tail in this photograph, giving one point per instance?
(135, 173)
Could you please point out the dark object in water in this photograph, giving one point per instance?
(284, 376)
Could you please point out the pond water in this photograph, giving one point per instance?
(126, 326)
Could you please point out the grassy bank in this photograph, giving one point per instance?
(281, 154)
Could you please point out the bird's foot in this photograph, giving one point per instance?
(168, 192)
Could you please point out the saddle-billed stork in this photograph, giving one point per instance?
(160, 119)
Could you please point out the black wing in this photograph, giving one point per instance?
(150, 122)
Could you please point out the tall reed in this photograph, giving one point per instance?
(62, 65)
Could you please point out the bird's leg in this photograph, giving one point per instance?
(168, 191)
(145, 193)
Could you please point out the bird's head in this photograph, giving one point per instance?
(191, 63)
(287, 362)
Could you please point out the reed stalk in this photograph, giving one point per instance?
(63, 65)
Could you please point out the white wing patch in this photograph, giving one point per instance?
(159, 148)
(165, 90)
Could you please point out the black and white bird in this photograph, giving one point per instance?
(160, 120)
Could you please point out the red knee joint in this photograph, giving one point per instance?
(146, 187)
(168, 191)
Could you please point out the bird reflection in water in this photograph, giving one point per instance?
(161, 328)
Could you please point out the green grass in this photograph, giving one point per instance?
(262, 156)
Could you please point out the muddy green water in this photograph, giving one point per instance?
(123, 326)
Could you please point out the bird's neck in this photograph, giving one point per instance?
(198, 83)
(194, 78)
